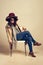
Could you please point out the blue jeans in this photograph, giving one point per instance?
(26, 35)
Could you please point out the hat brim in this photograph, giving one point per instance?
(8, 18)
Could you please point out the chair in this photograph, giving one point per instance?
(24, 45)
(16, 46)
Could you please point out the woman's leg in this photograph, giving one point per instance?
(28, 34)
(29, 42)
(23, 36)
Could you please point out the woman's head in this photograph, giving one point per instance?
(12, 19)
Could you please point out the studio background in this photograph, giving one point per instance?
(30, 15)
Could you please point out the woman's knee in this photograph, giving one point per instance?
(27, 33)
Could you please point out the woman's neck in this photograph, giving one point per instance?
(12, 24)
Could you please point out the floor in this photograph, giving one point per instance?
(18, 56)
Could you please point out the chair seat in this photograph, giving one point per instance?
(20, 41)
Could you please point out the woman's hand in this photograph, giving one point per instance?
(24, 28)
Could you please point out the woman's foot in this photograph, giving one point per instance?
(37, 44)
(32, 54)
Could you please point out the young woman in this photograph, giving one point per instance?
(14, 31)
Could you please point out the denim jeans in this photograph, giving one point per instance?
(26, 35)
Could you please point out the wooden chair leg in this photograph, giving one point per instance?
(25, 49)
(10, 52)
(15, 45)
(11, 46)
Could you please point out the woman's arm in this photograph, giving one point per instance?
(18, 27)
(9, 34)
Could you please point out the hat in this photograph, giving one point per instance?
(11, 15)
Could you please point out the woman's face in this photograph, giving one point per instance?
(12, 20)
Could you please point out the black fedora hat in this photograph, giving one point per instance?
(11, 15)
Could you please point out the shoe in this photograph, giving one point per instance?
(37, 44)
(32, 54)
